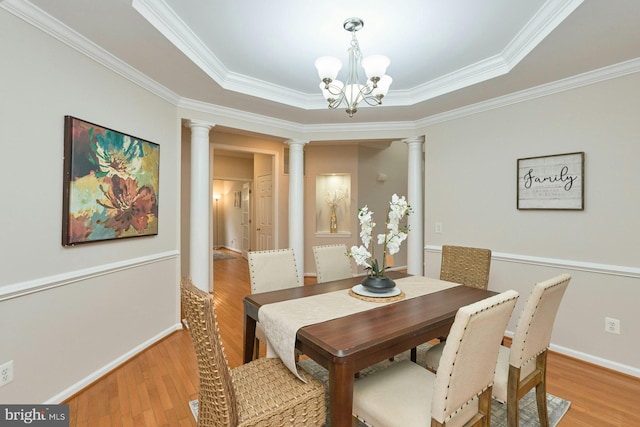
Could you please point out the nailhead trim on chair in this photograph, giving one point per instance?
(489, 385)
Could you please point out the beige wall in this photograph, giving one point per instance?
(470, 187)
(392, 162)
(68, 315)
(363, 164)
(323, 160)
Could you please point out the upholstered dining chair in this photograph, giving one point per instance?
(459, 393)
(468, 266)
(260, 393)
(332, 262)
(523, 366)
(271, 270)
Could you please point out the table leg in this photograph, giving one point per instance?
(249, 338)
(341, 393)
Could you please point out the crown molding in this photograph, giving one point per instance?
(606, 73)
(168, 23)
(536, 30)
(239, 115)
(548, 18)
(56, 29)
(227, 115)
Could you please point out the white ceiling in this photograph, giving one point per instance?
(257, 56)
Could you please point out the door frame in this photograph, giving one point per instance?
(276, 164)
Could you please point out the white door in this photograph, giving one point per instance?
(245, 225)
(264, 213)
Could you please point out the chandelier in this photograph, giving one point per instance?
(352, 92)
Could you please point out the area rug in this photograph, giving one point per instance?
(218, 255)
(556, 406)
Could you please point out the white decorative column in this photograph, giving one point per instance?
(200, 249)
(296, 202)
(415, 241)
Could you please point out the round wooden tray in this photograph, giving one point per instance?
(378, 299)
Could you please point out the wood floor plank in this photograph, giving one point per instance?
(155, 387)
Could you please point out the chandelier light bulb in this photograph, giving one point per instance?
(375, 66)
(328, 67)
(382, 87)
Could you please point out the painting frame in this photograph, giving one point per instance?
(551, 182)
(110, 184)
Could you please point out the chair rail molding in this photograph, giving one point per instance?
(609, 269)
(45, 283)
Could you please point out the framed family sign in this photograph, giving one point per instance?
(551, 182)
(110, 184)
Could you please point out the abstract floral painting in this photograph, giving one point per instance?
(110, 184)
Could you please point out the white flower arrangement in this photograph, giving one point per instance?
(334, 197)
(391, 241)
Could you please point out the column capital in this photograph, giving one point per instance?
(414, 140)
(291, 142)
(199, 124)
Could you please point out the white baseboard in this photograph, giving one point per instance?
(589, 358)
(89, 379)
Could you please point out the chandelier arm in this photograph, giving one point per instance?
(373, 100)
(335, 103)
(334, 89)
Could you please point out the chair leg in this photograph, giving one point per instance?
(414, 354)
(513, 411)
(484, 407)
(256, 349)
(541, 390)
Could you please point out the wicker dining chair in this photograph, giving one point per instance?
(406, 394)
(260, 393)
(332, 262)
(523, 366)
(467, 266)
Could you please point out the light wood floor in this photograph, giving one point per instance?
(153, 388)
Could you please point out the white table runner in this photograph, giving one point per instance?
(282, 320)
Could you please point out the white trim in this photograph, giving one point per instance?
(341, 234)
(591, 77)
(56, 29)
(589, 358)
(96, 375)
(45, 22)
(166, 21)
(45, 283)
(589, 267)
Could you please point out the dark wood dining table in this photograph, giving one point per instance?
(348, 344)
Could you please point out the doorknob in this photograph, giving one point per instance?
(258, 229)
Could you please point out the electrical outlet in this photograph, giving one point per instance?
(612, 325)
(438, 227)
(6, 373)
